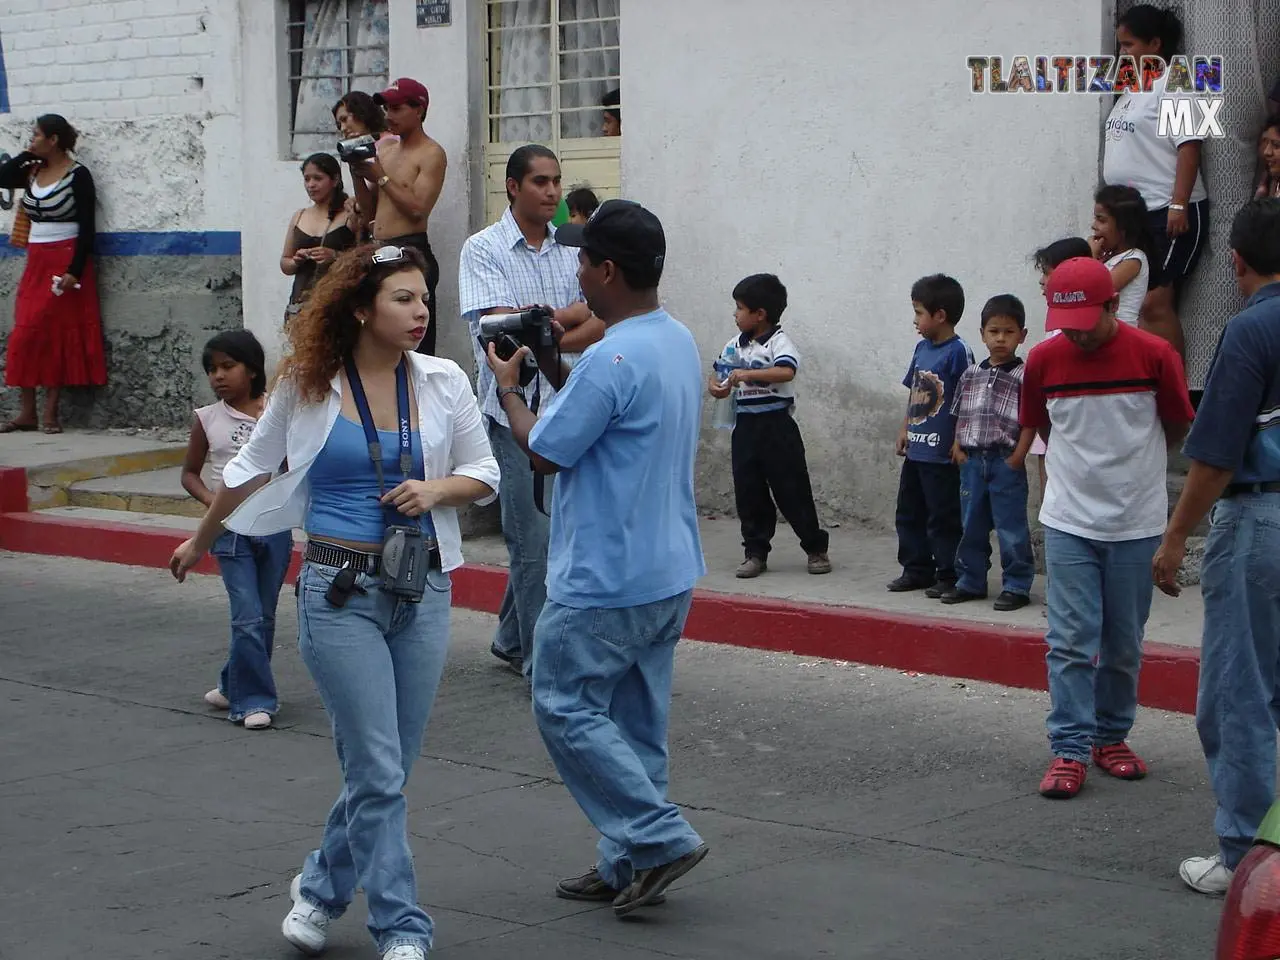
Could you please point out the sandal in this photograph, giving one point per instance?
(1064, 779)
(1119, 761)
(51, 428)
(13, 426)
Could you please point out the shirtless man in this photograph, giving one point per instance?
(402, 183)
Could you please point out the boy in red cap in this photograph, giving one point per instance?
(399, 187)
(1115, 399)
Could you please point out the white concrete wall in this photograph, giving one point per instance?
(272, 187)
(843, 151)
(151, 85)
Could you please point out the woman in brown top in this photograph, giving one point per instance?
(318, 233)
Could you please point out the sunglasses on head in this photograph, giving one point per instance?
(389, 255)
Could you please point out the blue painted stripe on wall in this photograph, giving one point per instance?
(212, 243)
(4, 82)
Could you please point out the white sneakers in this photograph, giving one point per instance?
(257, 721)
(306, 927)
(1207, 875)
(215, 699)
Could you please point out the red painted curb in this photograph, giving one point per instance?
(950, 648)
(13, 490)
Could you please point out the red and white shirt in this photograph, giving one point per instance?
(1107, 459)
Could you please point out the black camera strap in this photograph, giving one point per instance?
(403, 418)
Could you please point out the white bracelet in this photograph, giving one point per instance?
(1177, 206)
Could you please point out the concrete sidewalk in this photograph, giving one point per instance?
(847, 614)
(853, 813)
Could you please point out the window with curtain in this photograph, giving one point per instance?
(334, 46)
(550, 64)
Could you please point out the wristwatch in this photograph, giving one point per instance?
(382, 180)
(503, 392)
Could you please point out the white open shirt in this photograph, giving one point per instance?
(454, 443)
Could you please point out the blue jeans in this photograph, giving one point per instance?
(1239, 702)
(253, 571)
(1099, 596)
(526, 531)
(994, 495)
(601, 697)
(377, 663)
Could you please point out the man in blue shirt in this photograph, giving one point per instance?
(621, 436)
(1234, 448)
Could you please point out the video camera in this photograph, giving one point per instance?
(508, 332)
(357, 149)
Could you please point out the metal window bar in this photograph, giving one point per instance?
(495, 30)
(298, 48)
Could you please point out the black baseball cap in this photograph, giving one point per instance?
(621, 231)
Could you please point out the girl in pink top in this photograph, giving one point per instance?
(253, 568)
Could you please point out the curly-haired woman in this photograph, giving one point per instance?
(57, 332)
(377, 437)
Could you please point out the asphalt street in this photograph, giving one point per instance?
(851, 812)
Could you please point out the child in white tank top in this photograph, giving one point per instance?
(253, 568)
(1121, 241)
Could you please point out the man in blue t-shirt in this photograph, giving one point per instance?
(621, 436)
(928, 516)
(1234, 448)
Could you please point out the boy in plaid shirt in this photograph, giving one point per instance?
(991, 449)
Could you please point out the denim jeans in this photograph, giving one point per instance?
(1099, 596)
(1239, 702)
(377, 663)
(526, 531)
(601, 698)
(928, 520)
(994, 495)
(253, 571)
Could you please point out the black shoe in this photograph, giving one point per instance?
(515, 663)
(649, 885)
(940, 589)
(591, 887)
(956, 595)
(906, 583)
(1011, 601)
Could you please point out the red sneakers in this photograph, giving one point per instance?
(1064, 779)
(1119, 761)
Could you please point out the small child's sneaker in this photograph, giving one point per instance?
(305, 926)
(217, 700)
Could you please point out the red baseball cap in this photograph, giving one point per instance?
(1076, 292)
(401, 91)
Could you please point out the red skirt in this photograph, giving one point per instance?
(56, 341)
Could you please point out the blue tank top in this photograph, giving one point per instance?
(344, 487)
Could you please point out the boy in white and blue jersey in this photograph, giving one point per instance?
(759, 367)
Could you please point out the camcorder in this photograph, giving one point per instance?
(508, 332)
(357, 149)
(407, 556)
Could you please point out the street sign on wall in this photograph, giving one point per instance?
(435, 13)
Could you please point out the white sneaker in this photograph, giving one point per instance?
(405, 951)
(306, 927)
(259, 720)
(215, 699)
(1206, 875)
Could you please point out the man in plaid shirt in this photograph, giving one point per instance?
(991, 449)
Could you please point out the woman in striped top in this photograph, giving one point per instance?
(57, 333)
